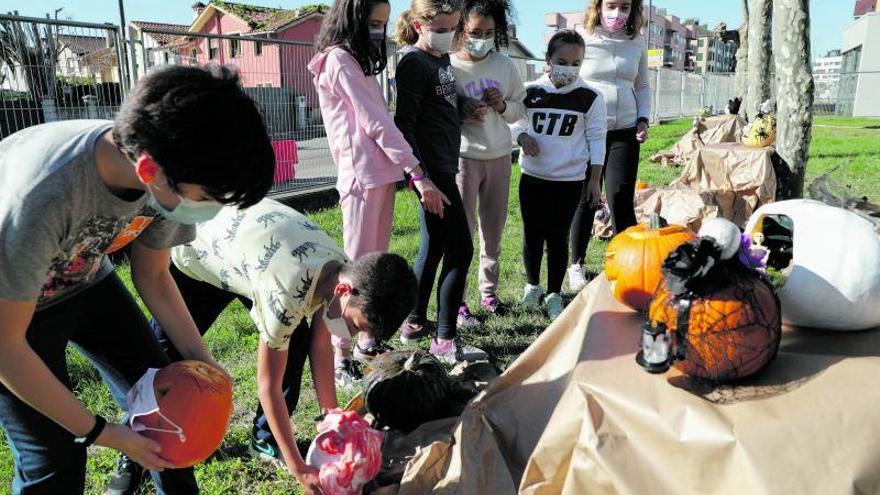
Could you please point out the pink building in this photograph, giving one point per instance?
(260, 64)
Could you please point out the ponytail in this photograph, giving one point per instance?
(404, 32)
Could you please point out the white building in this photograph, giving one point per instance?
(826, 74)
(860, 68)
(160, 48)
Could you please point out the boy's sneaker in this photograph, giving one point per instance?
(532, 296)
(493, 305)
(553, 303)
(576, 278)
(347, 373)
(412, 332)
(127, 478)
(372, 350)
(266, 450)
(454, 351)
(465, 319)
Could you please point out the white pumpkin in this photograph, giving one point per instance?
(725, 234)
(834, 282)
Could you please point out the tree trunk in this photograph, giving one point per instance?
(795, 88)
(760, 48)
(741, 84)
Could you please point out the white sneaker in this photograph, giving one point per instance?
(553, 303)
(532, 296)
(455, 351)
(576, 278)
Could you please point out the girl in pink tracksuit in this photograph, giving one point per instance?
(367, 147)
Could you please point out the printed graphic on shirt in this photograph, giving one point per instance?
(137, 225)
(446, 88)
(555, 114)
(476, 89)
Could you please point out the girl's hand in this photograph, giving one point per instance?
(432, 198)
(307, 476)
(495, 99)
(642, 132)
(473, 110)
(140, 449)
(594, 190)
(529, 145)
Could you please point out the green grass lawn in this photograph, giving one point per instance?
(851, 146)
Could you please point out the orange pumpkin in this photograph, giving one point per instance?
(634, 257)
(731, 333)
(642, 185)
(196, 397)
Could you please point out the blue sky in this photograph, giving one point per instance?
(830, 17)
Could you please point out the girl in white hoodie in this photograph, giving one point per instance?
(563, 144)
(616, 64)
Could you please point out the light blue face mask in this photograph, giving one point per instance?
(187, 212)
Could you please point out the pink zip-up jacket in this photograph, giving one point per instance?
(365, 143)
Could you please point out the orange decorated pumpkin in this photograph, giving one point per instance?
(634, 257)
(195, 406)
(642, 185)
(714, 316)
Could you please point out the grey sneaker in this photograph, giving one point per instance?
(532, 296)
(576, 278)
(127, 478)
(455, 351)
(348, 374)
(553, 303)
(465, 319)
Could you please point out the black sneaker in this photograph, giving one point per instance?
(369, 352)
(266, 450)
(127, 478)
(348, 374)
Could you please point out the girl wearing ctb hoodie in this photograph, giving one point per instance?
(370, 152)
(616, 64)
(563, 145)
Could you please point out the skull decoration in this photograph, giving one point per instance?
(347, 451)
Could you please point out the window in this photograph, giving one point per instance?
(165, 57)
(699, 57)
(234, 48)
(258, 48)
(213, 48)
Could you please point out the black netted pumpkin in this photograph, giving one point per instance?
(406, 389)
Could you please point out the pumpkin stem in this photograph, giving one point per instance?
(655, 222)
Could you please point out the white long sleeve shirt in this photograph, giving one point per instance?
(617, 65)
(569, 124)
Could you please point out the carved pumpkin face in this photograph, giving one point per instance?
(198, 399)
(634, 257)
(731, 333)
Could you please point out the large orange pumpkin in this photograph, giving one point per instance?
(196, 397)
(730, 333)
(634, 257)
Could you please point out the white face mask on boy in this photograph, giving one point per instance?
(337, 326)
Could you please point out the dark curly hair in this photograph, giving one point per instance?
(386, 290)
(201, 128)
(499, 10)
(347, 25)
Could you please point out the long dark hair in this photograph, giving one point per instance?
(499, 10)
(347, 25)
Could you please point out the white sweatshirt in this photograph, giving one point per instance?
(617, 65)
(569, 124)
(490, 139)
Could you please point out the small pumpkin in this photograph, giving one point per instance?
(762, 132)
(198, 398)
(642, 185)
(725, 318)
(634, 257)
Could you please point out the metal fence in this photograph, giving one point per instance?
(57, 70)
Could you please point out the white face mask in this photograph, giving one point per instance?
(337, 326)
(142, 402)
(479, 48)
(439, 42)
(187, 211)
(563, 75)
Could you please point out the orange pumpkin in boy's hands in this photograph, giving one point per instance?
(634, 257)
(198, 398)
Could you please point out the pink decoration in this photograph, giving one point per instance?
(286, 158)
(347, 452)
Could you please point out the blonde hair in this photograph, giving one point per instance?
(423, 11)
(593, 17)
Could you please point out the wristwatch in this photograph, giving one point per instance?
(93, 435)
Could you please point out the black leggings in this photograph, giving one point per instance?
(619, 176)
(547, 209)
(447, 239)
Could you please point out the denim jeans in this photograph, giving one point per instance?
(205, 303)
(104, 321)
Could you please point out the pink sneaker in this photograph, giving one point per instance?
(453, 351)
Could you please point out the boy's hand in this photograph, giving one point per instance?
(433, 199)
(529, 145)
(495, 99)
(307, 476)
(473, 110)
(140, 449)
